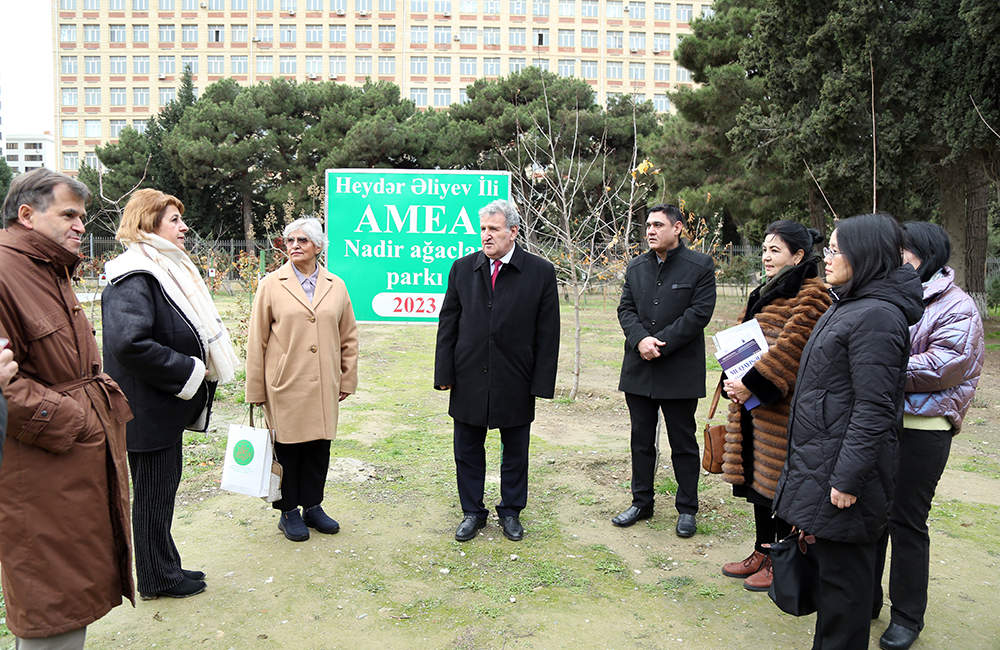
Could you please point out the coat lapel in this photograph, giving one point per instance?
(291, 284)
(324, 282)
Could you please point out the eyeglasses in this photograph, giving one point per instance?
(290, 241)
(829, 252)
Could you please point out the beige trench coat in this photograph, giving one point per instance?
(301, 355)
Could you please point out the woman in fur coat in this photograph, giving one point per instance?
(787, 305)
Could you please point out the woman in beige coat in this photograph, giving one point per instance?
(302, 360)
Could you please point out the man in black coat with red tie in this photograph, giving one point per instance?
(497, 350)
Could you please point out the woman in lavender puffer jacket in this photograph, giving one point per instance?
(946, 357)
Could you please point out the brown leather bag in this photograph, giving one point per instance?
(715, 438)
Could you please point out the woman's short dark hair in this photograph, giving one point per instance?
(873, 246)
(796, 236)
(930, 243)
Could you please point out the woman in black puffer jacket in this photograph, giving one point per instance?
(839, 481)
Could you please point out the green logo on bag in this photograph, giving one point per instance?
(243, 452)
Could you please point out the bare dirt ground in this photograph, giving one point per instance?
(395, 578)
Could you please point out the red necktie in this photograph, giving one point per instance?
(496, 269)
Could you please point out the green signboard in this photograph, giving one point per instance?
(394, 235)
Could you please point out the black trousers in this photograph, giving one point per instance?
(844, 596)
(769, 529)
(470, 469)
(922, 457)
(155, 477)
(678, 414)
(304, 466)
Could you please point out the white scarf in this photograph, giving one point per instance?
(183, 284)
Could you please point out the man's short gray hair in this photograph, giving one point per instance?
(37, 189)
(311, 227)
(505, 208)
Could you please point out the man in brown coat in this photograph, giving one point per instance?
(65, 556)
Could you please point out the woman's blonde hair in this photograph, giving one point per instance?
(143, 214)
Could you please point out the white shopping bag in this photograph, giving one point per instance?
(247, 469)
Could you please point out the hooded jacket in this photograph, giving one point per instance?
(847, 411)
(946, 353)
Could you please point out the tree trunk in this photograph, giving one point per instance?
(952, 211)
(965, 193)
(817, 216)
(248, 222)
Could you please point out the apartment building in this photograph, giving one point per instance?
(119, 61)
(26, 152)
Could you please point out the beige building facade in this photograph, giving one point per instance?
(118, 62)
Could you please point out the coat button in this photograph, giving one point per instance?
(45, 414)
(312, 349)
(489, 305)
(312, 319)
(486, 369)
(654, 322)
(658, 283)
(656, 302)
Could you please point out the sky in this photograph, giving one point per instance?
(26, 81)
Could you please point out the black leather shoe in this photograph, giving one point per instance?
(314, 517)
(291, 524)
(897, 637)
(185, 588)
(631, 516)
(512, 529)
(686, 525)
(469, 528)
(193, 575)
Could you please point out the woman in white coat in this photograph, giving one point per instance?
(302, 360)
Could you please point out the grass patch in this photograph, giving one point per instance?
(979, 465)
(977, 522)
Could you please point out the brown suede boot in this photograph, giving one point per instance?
(760, 581)
(746, 568)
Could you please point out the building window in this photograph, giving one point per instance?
(418, 6)
(683, 74)
(91, 5)
(468, 6)
(314, 65)
(567, 68)
(442, 65)
(118, 65)
(387, 5)
(540, 37)
(314, 33)
(517, 64)
(338, 6)
(614, 70)
(289, 5)
(442, 35)
(707, 11)
(92, 33)
(338, 33)
(362, 65)
(189, 5)
(467, 35)
(661, 11)
(517, 7)
(116, 128)
(541, 64)
(140, 5)
(92, 96)
(140, 96)
(287, 33)
(637, 71)
(287, 64)
(491, 66)
(140, 125)
(239, 64)
(67, 5)
(167, 95)
(265, 64)
(71, 160)
(167, 33)
(442, 6)
(140, 65)
(588, 38)
(637, 10)
(265, 33)
(616, 40)
(117, 96)
(91, 65)
(418, 96)
(661, 42)
(91, 160)
(637, 40)
(386, 33)
(467, 66)
(362, 33)
(167, 65)
(265, 5)
(418, 34)
(216, 33)
(116, 5)
(189, 63)
(314, 5)
(70, 128)
(165, 5)
(67, 65)
(69, 97)
(517, 36)
(116, 33)
(387, 65)
(588, 69)
(661, 72)
(613, 9)
(92, 128)
(12, 157)
(363, 5)
(491, 6)
(338, 64)
(418, 65)
(567, 38)
(685, 13)
(442, 97)
(491, 36)
(588, 8)
(239, 33)
(216, 5)
(540, 8)
(463, 96)
(567, 7)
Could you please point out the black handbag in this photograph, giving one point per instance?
(796, 574)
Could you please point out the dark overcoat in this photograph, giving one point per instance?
(672, 301)
(498, 348)
(156, 356)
